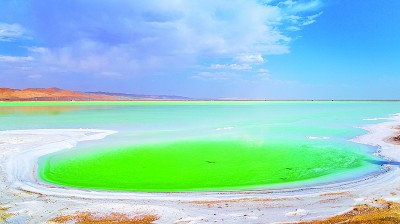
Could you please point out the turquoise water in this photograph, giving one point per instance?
(259, 131)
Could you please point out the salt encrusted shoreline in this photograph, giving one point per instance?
(28, 200)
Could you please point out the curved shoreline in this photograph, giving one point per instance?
(22, 188)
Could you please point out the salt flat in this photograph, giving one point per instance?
(30, 200)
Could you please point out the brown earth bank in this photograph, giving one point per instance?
(55, 94)
(89, 217)
(4, 215)
(49, 94)
(380, 211)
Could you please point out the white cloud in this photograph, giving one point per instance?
(288, 3)
(9, 32)
(232, 66)
(263, 70)
(35, 76)
(311, 19)
(293, 28)
(218, 76)
(293, 18)
(294, 13)
(304, 6)
(263, 76)
(158, 37)
(250, 58)
(15, 59)
(40, 50)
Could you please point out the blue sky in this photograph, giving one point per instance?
(245, 49)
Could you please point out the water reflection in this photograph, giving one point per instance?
(49, 110)
(38, 109)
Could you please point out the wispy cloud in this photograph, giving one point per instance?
(263, 76)
(250, 58)
(231, 66)
(35, 76)
(296, 6)
(110, 74)
(216, 76)
(10, 31)
(15, 59)
(311, 19)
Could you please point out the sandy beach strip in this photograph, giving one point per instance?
(26, 199)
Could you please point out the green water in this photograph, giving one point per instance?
(196, 165)
(203, 146)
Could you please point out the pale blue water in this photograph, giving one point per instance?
(306, 123)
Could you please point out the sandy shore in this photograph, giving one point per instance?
(25, 199)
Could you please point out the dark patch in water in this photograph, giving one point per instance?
(383, 162)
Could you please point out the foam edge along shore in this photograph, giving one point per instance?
(24, 197)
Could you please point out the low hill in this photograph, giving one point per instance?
(55, 94)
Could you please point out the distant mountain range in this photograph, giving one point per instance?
(55, 94)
